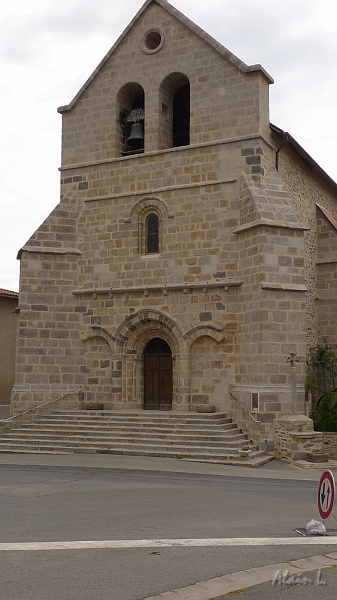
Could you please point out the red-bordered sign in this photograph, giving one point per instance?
(326, 495)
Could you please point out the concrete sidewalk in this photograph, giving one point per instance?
(310, 578)
(273, 470)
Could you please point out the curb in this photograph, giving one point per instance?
(234, 582)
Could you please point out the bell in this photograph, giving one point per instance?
(136, 137)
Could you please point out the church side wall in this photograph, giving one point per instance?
(308, 189)
(326, 280)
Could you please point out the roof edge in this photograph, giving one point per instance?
(8, 293)
(328, 215)
(212, 41)
(304, 155)
(188, 23)
(69, 106)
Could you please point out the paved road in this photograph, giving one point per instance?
(66, 500)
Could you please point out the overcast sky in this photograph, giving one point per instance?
(48, 49)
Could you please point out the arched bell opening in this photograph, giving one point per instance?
(157, 375)
(131, 111)
(175, 111)
(181, 117)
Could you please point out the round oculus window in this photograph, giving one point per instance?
(152, 41)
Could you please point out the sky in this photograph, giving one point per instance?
(49, 48)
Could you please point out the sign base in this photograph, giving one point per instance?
(302, 531)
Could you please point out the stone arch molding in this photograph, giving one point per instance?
(99, 331)
(139, 328)
(133, 335)
(138, 215)
(205, 331)
(146, 324)
(146, 205)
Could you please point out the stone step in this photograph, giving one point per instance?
(143, 414)
(173, 426)
(13, 449)
(112, 443)
(253, 461)
(139, 431)
(165, 440)
(190, 454)
(150, 417)
(191, 436)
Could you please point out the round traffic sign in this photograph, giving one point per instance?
(326, 495)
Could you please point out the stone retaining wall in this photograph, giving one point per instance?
(295, 438)
(330, 444)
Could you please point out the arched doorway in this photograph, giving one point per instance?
(158, 375)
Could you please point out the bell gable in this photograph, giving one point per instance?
(162, 65)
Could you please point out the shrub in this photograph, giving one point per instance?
(321, 380)
(325, 416)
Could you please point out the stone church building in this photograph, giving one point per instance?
(194, 246)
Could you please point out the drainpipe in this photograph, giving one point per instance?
(277, 153)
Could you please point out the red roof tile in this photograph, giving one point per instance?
(8, 293)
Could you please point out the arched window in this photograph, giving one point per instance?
(151, 215)
(152, 234)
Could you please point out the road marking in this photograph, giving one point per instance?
(167, 543)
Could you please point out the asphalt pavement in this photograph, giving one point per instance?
(312, 577)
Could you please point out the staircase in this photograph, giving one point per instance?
(190, 436)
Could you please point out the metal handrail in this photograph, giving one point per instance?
(37, 408)
(244, 408)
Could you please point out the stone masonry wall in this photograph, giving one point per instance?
(47, 353)
(294, 436)
(308, 190)
(272, 323)
(239, 105)
(330, 444)
(326, 278)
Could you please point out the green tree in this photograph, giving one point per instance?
(322, 381)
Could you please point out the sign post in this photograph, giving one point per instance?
(326, 495)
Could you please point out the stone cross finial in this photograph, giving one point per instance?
(292, 359)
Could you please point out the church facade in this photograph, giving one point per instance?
(194, 246)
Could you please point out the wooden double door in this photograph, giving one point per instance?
(158, 375)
